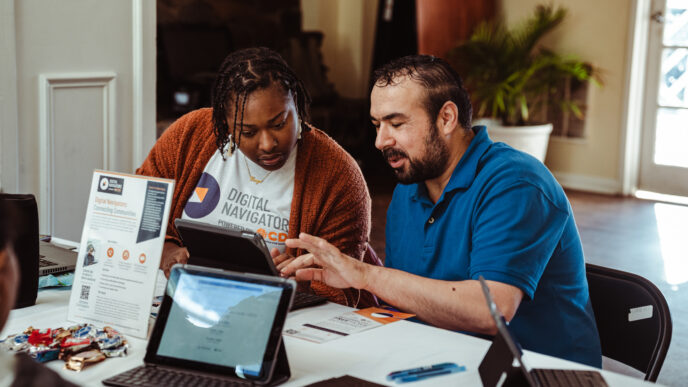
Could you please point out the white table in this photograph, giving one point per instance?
(369, 355)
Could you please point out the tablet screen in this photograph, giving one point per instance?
(219, 322)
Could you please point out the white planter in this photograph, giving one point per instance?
(531, 139)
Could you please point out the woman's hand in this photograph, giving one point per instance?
(171, 255)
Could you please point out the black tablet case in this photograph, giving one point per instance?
(227, 249)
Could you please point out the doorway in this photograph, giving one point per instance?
(664, 144)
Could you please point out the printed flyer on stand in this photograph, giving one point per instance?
(121, 245)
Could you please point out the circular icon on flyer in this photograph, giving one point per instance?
(104, 184)
(110, 252)
(142, 258)
(125, 254)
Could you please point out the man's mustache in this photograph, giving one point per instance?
(389, 153)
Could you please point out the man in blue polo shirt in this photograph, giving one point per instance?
(465, 207)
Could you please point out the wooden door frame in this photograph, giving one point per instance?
(652, 176)
(144, 19)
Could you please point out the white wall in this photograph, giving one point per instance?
(85, 99)
(8, 99)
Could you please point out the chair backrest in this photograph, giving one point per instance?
(632, 318)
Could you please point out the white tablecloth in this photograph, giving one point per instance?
(369, 355)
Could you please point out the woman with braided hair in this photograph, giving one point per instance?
(253, 162)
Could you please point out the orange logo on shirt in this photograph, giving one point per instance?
(272, 236)
(201, 192)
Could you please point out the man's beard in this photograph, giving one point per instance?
(431, 164)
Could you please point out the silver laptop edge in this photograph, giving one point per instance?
(64, 259)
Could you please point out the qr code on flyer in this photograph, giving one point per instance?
(85, 290)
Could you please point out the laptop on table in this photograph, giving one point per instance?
(54, 259)
(216, 328)
(240, 251)
(498, 369)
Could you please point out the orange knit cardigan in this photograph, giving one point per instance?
(330, 200)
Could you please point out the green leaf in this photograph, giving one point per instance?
(524, 108)
(576, 111)
(509, 74)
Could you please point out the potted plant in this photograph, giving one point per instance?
(513, 79)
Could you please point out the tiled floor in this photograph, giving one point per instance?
(642, 237)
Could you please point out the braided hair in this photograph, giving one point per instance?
(243, 72)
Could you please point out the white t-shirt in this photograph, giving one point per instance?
(226, 196)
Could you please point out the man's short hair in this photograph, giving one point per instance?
(439, 79)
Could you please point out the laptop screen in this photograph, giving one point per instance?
(504, 333)
(222, 322)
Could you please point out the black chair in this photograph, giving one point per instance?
(642, 343)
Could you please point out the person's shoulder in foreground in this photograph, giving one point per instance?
(19, 370)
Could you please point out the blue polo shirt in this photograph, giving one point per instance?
(503, 216)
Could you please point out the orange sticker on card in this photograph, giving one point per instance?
(383, 316)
